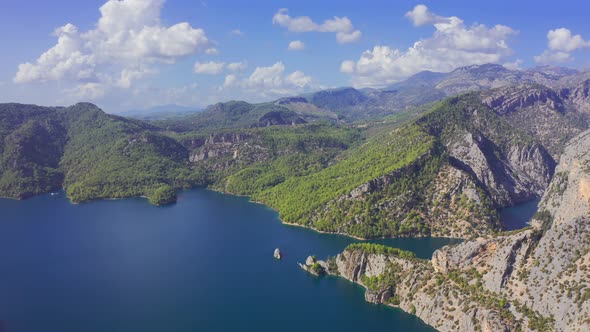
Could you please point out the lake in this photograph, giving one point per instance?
(203, 264)
(519, 215)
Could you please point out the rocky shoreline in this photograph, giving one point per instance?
(535, 279)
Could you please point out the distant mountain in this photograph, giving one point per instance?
(349, 105)
(161, 112)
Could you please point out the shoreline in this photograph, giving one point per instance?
(236, 195)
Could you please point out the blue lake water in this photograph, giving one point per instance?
(203, 264)
(518, 216)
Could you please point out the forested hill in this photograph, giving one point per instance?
(443, 168)
(90, 153)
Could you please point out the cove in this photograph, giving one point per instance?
(519, 215)
(203, 264)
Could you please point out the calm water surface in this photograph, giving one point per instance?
(203, 264)
(518, 216)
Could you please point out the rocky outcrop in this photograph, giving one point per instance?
(521, 175)
(279, 118)
(414, 286)
(580, 97)
(277, 254)
(313, 266)
(553, 118)
(224, 145)
(534, 279)
(508, 100)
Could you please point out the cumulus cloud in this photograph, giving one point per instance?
(342, 26)
(128, 38)
(237, 66)
(347, 67)
(296, 45)
(453, 44)
(237, 32)
(209, 68)
(420, 16)
(270, 82)
(229, 81)
(562, 40)
(560, 43)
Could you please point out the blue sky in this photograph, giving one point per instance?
(133, 54)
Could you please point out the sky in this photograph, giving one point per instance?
(136, 54)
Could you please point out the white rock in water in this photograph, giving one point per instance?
(277, 253)
(310, 260)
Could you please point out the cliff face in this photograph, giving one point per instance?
(480, 163)
(534, 279)
(545, 268)
(520, 174)
(553, 118)
(414, 286)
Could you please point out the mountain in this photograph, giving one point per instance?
(536, 279)
(443, 175)
(351, 105)
(88, 152)
(162, 112)
(440, 169)
(234, 115)
(436, 155)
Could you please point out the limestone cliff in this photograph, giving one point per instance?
(534, 279)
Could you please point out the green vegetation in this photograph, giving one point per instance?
(293, 152)
(163, 195)
(378, 249)
(298, 198)
(367, 180)
(92, 154)
(317, 269)
(231, 115)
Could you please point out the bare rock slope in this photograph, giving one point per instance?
(534, 279)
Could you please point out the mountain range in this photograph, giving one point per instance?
(438, 154)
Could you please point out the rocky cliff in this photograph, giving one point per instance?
(551, 117)
(534, 279)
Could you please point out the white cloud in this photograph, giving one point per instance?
(344, 38)
(562, 40)
(209, 68)
(342, 26)
(212, 51)
(128, 75)
(515, 65)
(296, 45)
(237, 66)
(420, 16)
(452, 45)
(127, 40)
(230, 80)
(560, 43)
(87, 91)
(237, 32)
(216, 68)
(269, 82)
(548, 57)
(347, 67)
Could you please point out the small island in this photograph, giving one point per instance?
(163, 195)
(313, 266)
(277, 254)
